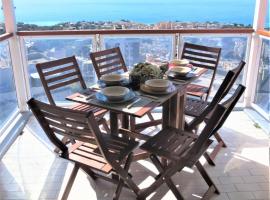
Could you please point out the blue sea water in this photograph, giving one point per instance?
(152, 11)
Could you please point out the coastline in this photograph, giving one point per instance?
(127, 25)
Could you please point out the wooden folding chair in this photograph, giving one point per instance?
(98, 154)
(202, 57)
(183, 149)
(195, 107)
(110, 61)
(60, 73)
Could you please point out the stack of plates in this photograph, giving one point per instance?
(157, 86)
(112, 79)
(115, 94)
(179, 63)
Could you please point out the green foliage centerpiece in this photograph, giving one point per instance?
(146, 71)
(142, 72)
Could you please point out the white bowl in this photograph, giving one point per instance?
(181, 70)
(111, 78)
(182, 62)
(115, 93)
(158, 85)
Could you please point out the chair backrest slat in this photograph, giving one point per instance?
(237, 70)
(62, 84)
(229, 104)
(223, 90)
(217, 98)
(108, 61)
(59, 73)
(203, 57)
(217, 118)
(56, 120)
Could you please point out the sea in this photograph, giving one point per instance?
(50, 12)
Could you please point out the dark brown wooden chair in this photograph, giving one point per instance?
(110, 61)
(60, 73)
(195, 107)
(203, 57)
(98, 154)
(184, 148)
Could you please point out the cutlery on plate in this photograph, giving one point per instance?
(133, 103)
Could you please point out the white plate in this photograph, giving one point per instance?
(158, 85)
(112, 78)
(180, 70)
(103, 99)
(182, 62)
(148, 90)
(115, 93)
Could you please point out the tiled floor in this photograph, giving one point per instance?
(31, 171)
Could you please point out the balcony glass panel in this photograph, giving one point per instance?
(137, 49)
(2, 22)
(43, 50)
(132, 14)
(8, 99)
(233, 51)
(267, 20)
(262, 95)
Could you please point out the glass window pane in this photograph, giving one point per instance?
(8, 100)
(233, 50)
(133, 14)
(137, 49)
(262, 95)
(43, 50)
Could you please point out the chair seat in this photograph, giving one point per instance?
(89, 154)
(169, 143)
(174, 144)
(98, 112)
(194, 107)
(197, 90)
(118, 147)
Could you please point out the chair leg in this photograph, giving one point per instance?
(124, 176)
(103, 122)
(209, 159)
(132, 123)
(70, 182)
(149, 114)
(89, 172)
(168, 180)
(121, 181)
(220, 140)
(206, 177)
(160, 179)
(218, 147)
